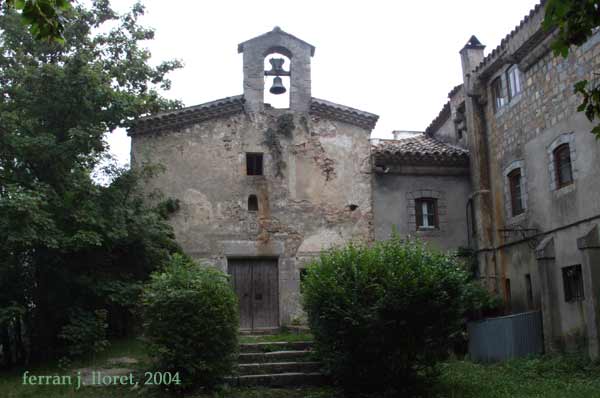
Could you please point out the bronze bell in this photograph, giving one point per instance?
(276, 66)
(277, 87)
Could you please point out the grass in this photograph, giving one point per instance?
(11, 383)
(557, 376)
(132, 348)
(563, 376)
(308, 392)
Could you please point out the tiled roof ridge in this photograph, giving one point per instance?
(178, 118)
(421, 150)
(455, 90)
(439, 120)
(343, 113)
(421, 136)
(277, 30)
(503, 43)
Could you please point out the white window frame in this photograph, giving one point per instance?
(514, 86)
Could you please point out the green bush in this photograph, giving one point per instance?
(190, 318)
(386, 314)
(85, 333)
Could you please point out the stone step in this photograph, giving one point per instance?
(259, 332)
(276, 346)
(277, 367)
(278, 380)
(298, 329)
(275, 356)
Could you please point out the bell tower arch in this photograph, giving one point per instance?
(297, 51)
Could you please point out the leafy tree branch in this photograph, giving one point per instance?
(44, 17)
(575, 22)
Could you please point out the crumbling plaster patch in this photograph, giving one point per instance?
(323, 239)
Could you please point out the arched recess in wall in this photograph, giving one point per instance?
(252, 203)
(278, 101)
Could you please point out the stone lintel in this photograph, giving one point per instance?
(591, 240)
(244, 248)
(545, 250)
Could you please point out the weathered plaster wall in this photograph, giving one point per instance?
(314, 170)
(523, 262)
(393, 202)
(447, 133)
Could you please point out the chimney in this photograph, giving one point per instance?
(471, 55)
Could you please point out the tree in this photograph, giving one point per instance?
(576, 21)
(67, 242)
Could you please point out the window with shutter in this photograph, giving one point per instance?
(513, 76)
(562, 164)
(426, 213)
(516, 197)
(498, 94)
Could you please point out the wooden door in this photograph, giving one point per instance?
(241, 278)
(255, 282)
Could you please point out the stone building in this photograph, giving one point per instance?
(263, 190)
(420, 187)
(508, 168)
(534, 205)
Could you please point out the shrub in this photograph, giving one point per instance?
(191, 322)
(85, 333)
(383, 315)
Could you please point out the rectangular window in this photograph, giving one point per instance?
(254, 164)
(562, 163)
(426, 212)
(498, 94)
(516, 196)
(529, 291)
(252, 203)
(573, 283)
(513, 76)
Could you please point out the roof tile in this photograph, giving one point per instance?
(421, 149)
(343, 113)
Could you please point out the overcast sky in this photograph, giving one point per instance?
(398, 59)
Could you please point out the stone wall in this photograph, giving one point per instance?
(525, 131)
(315, 192)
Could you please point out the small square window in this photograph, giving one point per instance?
(426, 213)
(573, 283)
(254, 164)
(516, 195)
(562, 165)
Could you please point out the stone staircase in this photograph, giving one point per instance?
(277, 364)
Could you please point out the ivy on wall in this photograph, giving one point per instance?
(284, 127)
